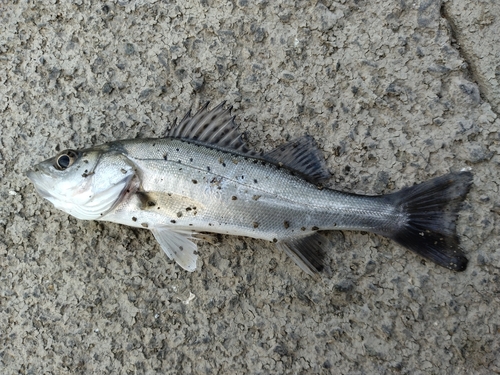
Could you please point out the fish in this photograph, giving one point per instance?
(201, 177)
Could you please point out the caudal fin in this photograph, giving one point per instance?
(431, 209)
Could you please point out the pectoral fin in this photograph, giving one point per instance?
(308, 252)
(178, 246)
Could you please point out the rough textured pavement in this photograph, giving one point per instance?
(395, 92)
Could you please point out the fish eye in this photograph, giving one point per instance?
(65, 159)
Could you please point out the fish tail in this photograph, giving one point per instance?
(430, 210)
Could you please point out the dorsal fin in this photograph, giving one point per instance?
(215, 127)
(301, 155)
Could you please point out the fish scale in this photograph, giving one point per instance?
(230, 206)
(201, 177)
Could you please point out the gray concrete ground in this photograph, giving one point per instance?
(395, 92)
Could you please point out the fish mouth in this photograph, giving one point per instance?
(34, 176)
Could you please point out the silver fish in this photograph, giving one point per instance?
(202, 178)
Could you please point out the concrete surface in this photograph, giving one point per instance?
(396, 92)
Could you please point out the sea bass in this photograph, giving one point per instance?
(201, 177)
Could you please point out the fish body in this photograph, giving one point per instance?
(202, 178)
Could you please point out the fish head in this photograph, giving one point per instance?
(86, 184)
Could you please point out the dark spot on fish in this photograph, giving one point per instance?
(145, 225)
(234, 198)
(264, 163)
(242, 177)
(255, 224)
(151, 203)
(173, 221)
(179, 161)
(177, 149)
(190, 225)
(194, 181)
(165, 156)
(208, 168)
(188, 209)
(223, 164)
(169, 194)
(134, 218)
(85, 161)
(315, 228)
(181, 248)
(85, 175)
(191, 160)
(286, 224)
(275, 240)
(303, 228)
(179, 214)
(256, 197)
(158, 207)
(255, 161)
(254, 180)
(209, 224)
(123, 171)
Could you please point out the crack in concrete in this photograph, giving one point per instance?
(455, 43)
(472, 70)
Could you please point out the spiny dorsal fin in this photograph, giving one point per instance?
(303, 156)
(215, 127)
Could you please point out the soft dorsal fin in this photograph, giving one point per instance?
(215, 127)
(301, 155)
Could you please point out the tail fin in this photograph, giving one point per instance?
(431, 209)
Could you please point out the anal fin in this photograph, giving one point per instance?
(308, 252)
(178, 245)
